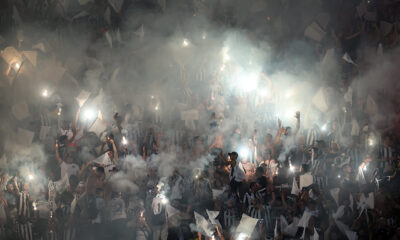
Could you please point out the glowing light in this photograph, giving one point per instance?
(371, 142)
(152, 97)
(34, 206)
(242, 236)
(222, 68)
(204, 36)
(244, 152)
(339, 176)
(365, 168)
(156, 108)
(89, 114)
(164, 200)
(59, 111)
(225, 55)
(291, 168)
(124, 141)
(16, 66)
(288, 94)
(45, 93)
(249, 83)
(185, 42)
(323, 128)
(31, 177)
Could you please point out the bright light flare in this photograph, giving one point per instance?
(31, 177)
(225, 55)
(244, 152)
(16, 65)
(124, 141)
(291, 168)
(45, 93)
(371, 142)
(164, 200)
(365, 168)
(34, 206)
(156, 108)
(203, 36)
(185, 42)
(249, 83)
(324, 127)
(241, 236)
(89, 114)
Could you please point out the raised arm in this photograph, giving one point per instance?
(115, 155)
(278, 136)
(59, 160)
(297, 123)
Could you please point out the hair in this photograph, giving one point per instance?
(260, 170)
(100, 169)
(73, 181)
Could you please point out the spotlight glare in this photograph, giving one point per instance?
(244, 152)
(124, 141)
(89, 114)
(45, 93)
(185, 42)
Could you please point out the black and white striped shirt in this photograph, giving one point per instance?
(249, 201)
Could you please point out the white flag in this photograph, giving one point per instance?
(203, 225)
(295, 187)
(314, 32)
(246, 225)
(335, 195)
(348, 59)
(306, 180)
(31, 56)
(99, 126)
(82, 98)
(339, 213)
(319, 101)
(116, 4)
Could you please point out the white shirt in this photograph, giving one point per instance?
(69, 169)
(117, 209)
(238, 173)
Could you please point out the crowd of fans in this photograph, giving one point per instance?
(232, 171)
